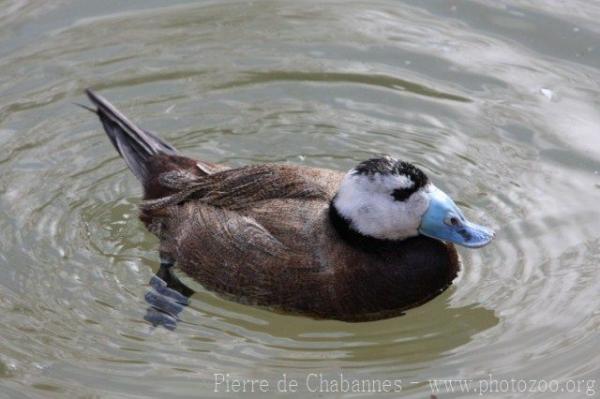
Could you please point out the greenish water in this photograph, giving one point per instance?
(497, 101)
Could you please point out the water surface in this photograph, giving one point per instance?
(497, 101)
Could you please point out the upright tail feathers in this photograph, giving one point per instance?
(134, 144)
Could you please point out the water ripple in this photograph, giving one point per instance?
(323, 85)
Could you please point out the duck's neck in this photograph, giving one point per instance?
(354, 238)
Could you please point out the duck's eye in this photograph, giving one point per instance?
(401, 194)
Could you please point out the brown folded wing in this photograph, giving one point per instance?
(251, 233)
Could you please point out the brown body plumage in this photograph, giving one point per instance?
(263, 234)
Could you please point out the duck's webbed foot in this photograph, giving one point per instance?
(167, 297)
(165, 273)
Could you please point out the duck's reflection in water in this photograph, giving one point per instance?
(167, 298)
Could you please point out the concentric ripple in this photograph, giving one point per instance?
(498, 116)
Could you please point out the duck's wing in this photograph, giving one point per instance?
(235, 255)
(248, 230)
(244, 187)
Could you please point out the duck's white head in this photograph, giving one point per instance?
(387, 199)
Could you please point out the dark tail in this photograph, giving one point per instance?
(135, 145)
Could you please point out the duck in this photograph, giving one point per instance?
(353, 246)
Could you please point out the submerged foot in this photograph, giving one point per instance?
(167, 298)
